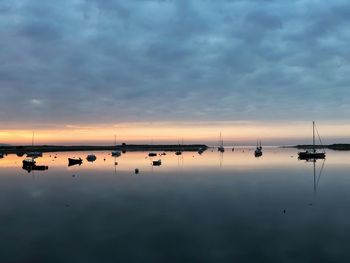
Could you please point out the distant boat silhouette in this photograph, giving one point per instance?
(313, 154)
(34, 154)
(28, 162)
(152, 154)
(179, 151)
(157, 163)
(74, 161)
(258, 150)
(116, 153)
(2, 155)
(221, 144)
(91, 158)
(34, 167)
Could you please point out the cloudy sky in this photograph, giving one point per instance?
(103, 62)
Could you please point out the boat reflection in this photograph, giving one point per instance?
(157, 163)
(317, 177)
(34, 167)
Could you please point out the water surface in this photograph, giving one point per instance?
(193, 208)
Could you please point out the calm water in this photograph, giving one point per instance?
(194, 208)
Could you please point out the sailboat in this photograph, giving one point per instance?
(313, 154)
(179, 152)
(34, 154)
(258, 150)
(152, 154)
(221, 144)
(116, 153)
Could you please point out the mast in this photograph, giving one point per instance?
(313, 136)
(220, 140)
(33, 139)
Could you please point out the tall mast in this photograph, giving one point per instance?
(313, 135)
(115, 140)
(33, 139)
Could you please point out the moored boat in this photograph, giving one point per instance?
(74, 161)
(200, 150)
(91, 158)
(157, 163)
(28, 164)
(116, 153)
(312, 154)
(34, 154)
(221, 144)
(258, 150)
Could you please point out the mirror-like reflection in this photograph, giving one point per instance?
(194, 207)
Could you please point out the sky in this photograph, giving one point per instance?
(84, 70)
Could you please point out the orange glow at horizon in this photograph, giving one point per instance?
(171, 132)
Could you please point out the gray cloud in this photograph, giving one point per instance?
(109, 61)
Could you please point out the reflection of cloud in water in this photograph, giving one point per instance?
(196, 213)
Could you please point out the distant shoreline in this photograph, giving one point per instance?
(335, 147)
(123, 147)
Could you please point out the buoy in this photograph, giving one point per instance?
(136, 171)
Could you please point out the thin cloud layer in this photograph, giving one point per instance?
(110, 61)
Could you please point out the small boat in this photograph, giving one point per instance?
(28, 162)
(91, 158)
(157, 163)
(35, 168)
(221, 144)
(200, 150)
(178, 152)
(258, 150)
(34, 154)
(152, 154)
(116, 153)
(313, 154)
(2, 155)
(74, 161)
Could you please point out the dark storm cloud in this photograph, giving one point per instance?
(109, 61)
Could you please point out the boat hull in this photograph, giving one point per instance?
(72, 161)
(257, 154)
(311, 155)
(157, 163)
